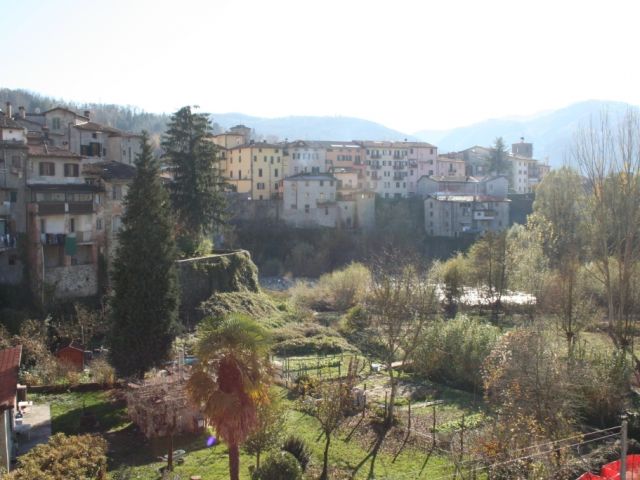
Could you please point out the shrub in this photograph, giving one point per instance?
(453, 351)
(102, 371)
(281, 466)
(603, 380)
(75, 457)
(339, 290)
(297, 447)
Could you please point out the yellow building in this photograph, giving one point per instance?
(255, 168)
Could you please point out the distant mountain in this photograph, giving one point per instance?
(312, 128)
(550, 132)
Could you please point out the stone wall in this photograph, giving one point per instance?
(228, 271)
(72, 281)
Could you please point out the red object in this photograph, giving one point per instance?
(611, 471)
(9, 366)
(72, 354)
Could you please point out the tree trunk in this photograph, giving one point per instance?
(170, 454)
(258, 459)
(325, 461)
(234, 462)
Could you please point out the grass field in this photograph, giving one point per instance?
(133, 457)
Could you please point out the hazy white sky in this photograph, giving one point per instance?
(410, 65)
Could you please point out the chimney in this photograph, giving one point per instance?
(9, 112)
(23, 112)
(87, 113)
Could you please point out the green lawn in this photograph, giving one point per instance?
(131, 452)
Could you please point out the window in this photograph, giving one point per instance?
(13, 196)
(260, 186)
(94, 135)
(275, 186)
(255, 158)
(47, 169)
(71, 170)
(259, 172)
(294, 206)
(116, 224)
(326, 210)
(265, 158)
(116, 192)
(306, 208)
(56, 123)
(43, 225)
(239, 175)
(275, 173)
(271, 159)
(322, 183)
(72, 225)
(231, 174)
(99, 224)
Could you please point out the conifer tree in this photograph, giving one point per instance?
(498, 162)
(145, 300)
(196, 192)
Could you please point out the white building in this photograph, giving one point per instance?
(454, 215)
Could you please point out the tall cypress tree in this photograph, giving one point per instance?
(145, 301)
(196, 192)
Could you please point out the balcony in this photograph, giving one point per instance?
(398, 176)
(484, 214)
(84, 237)
(398, 166)
(8, 242)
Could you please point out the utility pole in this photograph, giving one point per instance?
(623, 448)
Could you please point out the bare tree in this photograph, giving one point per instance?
(609, 157)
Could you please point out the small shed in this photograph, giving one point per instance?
(73, 354)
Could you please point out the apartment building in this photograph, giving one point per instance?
(13, 157)
(495, 185)
(112, 180)
(305, 157)
(256, 169)
(61, 224)
(449, 167)
(526, 172)
(455, 215)
(320, 200)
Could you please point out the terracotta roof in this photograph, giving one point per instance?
(96, 127)
(66, 110)
(44, 150)
(111, 170)
(6, 122)
(65, 187)
(73, 346)
(310, 176)
(9, 366)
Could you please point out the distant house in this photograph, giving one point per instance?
(9, 366)
(73, 354)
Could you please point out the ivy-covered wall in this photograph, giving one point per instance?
(226, 271)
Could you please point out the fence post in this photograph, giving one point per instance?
(623, 456)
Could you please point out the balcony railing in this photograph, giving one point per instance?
(84, 237)
(8, 241)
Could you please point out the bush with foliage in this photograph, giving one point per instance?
(297, 447)
(281, 466)
(102, 371)
(603, 383)
(454, 351)
(74, 457)
(339, 290)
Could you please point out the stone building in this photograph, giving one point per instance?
(454, 215)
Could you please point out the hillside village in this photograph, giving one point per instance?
(134, 332)
(64, 178)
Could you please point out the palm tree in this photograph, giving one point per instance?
(231, 378)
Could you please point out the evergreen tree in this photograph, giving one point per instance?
(145, 300)
(498, 162)
(196, 192)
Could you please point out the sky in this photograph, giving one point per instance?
(410, 65)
